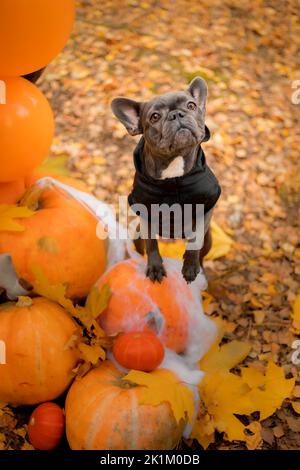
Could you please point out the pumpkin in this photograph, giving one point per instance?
(11, 193)
(38, 364)
(46, 426)
(60, 238)
(136, 303)
(139, 351)
(103, 413)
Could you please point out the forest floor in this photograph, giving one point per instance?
(248, 52)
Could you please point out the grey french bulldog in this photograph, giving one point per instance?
(170, 166)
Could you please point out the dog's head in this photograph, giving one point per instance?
(171, 122)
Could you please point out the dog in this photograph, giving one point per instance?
(171, 167)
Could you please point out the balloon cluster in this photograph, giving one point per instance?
(32, 33)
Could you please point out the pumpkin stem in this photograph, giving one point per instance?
(24, 301)
(125, 384)
(31, 198)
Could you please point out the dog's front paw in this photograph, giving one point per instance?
(156, 272)
(190, 271)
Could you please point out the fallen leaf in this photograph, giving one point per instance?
(163, 386)
(97, 301)
(55, 166)
(296, 391)
(296, 315)
(225, 357)
(92, 354)
(221, 245)
(253, 437)
(269, 390)
(296, 406)
(8, 214)
(57, 293)
(278, 431)
(293, 423)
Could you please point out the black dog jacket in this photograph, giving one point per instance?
(199, 186)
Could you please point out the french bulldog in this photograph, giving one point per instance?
(170, 166)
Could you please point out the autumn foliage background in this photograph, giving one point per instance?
(248, 51)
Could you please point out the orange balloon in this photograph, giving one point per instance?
(32, 33)
(26, 129)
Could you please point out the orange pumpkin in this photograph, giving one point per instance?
(11, 193)
(103, 413)
(46, 426)
(38, 364)
(61, 239)
(136, 301)
(139, 351)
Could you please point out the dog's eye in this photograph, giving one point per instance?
(155, 117)
(191, 106)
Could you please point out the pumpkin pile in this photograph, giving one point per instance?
(71, 331)
(131, 401)
(138, 303)
(123, 394)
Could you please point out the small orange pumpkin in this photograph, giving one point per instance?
(135, 301)
(38, 364)
(46, 426)
(61, 239)
(139, 350)
(103, 413)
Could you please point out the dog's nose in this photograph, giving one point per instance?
(176, 114)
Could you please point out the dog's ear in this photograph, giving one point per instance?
(128, 112)
(198, 89)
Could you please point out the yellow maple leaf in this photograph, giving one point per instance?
(55, 166)
(269, 390)
(97, 301)
(224, 395)
(92, 354)
(221, 245)
(8, 214)
(54, 292)
(163, 386)
(225, 357)
(296, 315)
(204, 430)
(57, 293)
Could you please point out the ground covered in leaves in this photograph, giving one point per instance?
(248, 53)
